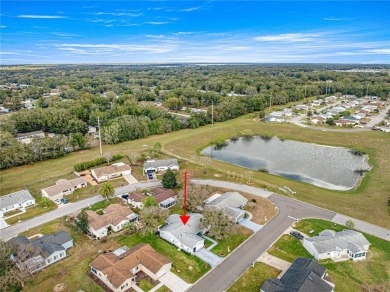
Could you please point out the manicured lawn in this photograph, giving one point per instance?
(254, 278)
(145, 285)
(288, 248)
(181, 262)
(207, 242)
(223, 246)
(163, 289)
(371, 274)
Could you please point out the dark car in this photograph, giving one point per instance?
(296, 234)
(64, 201)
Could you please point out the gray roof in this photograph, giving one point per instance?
(303, 275)
(30, 134)
(18, 197)
(186, 234)
(20, 240)
(233, 212)
(161, 163)
(229, 199)
(329, 240)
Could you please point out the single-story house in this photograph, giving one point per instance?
(92, 130)
(316, 102)
(341, 123)
(106, 173)
(114, 217)
(275, 119)
(318, 120)
(303, 275)
(64, 187)
(349, 96)
(348, 244)
(54, 92)
(330, 98)
(44, 251)
(118, 269)
(302, 107)
(165, 197)
(231, 204)
(135, 199)
(161, 165)
(17, 200)
(186, 237)
(26, 138)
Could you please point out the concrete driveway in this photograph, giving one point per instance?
(130, 179)
(274, 262)
(207, 256)
(249, 224)
(174, 283)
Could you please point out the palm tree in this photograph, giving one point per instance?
(107, 190)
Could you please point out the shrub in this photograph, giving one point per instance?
(96, 162)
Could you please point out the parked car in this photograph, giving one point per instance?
(57, 201)
(296, 234)
(65, 201)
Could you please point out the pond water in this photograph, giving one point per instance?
(329, 167)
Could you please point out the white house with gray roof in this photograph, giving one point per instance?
(161, 165)
(231, 203)
(186, 237)
(346, 244)
(43, 251)
(18, 200)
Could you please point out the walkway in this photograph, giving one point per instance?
(249, 224)
(212, 240)
(209, 257)
(274, 262)
(131, 188)
(173, 282)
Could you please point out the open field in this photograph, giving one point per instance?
(368, 202)
(254, 278)
(371, 274)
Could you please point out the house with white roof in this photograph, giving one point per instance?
(230, 203)
(346, 244)
(17, 200)
(186, 237)
(26, 138)
(161, 165)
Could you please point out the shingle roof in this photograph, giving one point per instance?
(186, 234)
(303, 275)
(64, 185)
(161, 163)
(166, 194)
(107, 170)
(328, 240)
(117, 268)
(115, 214)
(18, 197)
(229, 199)
(137, 197)
(20, 240)
(30, 134)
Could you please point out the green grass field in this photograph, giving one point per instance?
(230, 243)
(371, 274)
(254, 278)
(367, 202)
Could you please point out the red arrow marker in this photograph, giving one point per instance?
(185, 218)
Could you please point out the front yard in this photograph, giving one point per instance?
(254, 278)
(372, 274)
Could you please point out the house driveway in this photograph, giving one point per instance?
(249, 224)
(173, 282)
(207, 256)
(274, 262)
(130, 179)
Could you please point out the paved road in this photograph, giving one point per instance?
(224, 275)
(15, 229)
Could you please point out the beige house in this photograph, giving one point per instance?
(119, 269)
(114, 217)
(64, 187)
(106, 173)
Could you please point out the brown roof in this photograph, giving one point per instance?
(64, 185)
(117, 268)
(107, 170)
(156, 191)
(137, 197)
(114, 214)
(164, 195)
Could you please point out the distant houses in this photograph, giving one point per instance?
(185, 237)
(106, 173)
(161, 165)
(303, 275)
(64, 187)
(114, 217)
(14, 201)
(119, 269)
(26, 138)
(230, 203)
(41, 252)
(346, 244)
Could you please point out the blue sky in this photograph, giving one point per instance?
(50, 32)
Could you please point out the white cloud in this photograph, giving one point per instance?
(334, 19)
(65, 35)
(40, 16)
(2, 26)
(156, 36)
(288, 37)
(379, 51)
(157, 22)
(190, 9)
(117, 14)
(110, 48)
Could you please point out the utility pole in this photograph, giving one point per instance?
(270, 100)
(212, 113)
(367, 90)
(304, 99)
(100, 138)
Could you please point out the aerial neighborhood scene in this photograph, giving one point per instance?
(200, 146)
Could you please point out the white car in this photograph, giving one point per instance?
(57, 201)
